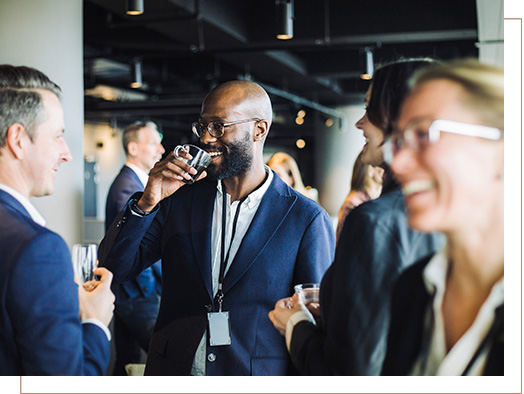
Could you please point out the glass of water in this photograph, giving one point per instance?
(84, 258)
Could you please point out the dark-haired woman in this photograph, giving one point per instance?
(375, 245)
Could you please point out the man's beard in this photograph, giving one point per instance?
(235, 161)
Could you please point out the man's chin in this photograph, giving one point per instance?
(213, 172)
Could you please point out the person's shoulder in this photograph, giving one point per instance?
(16, 225)
(304, 202)
(24, 240)
(387, 207)
(125, 176)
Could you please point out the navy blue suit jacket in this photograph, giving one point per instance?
(40, 329)
(290, 241)
(125, 184)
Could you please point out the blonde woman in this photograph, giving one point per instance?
(448, 154)
(287, 169)
(366, 184)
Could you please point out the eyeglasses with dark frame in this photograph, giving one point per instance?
(216, 129)
(417, 137)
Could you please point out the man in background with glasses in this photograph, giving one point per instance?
(231, 244)
(137, 300)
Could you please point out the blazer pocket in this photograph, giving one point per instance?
(173, 347)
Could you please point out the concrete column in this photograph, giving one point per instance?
(47, 35)
(337, 149)
(490, 15)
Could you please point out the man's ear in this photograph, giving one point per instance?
(132, 148)
(261, 130)
(16, 139)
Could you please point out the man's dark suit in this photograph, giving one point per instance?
(137, 300)
(40, 329)
(290, 241)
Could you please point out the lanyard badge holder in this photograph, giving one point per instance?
(218, 322)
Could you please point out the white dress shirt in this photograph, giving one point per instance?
(434, 361)
(35, 215)
(37, 218)
(247, 212)
(140, 173)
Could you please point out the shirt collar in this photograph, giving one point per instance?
(35, 215)
(142, 175)
(437, 269)
(254, 198)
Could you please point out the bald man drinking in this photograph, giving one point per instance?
(231, 244)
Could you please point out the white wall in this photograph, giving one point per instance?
(336, 151)
(47, 35)
(110, 157)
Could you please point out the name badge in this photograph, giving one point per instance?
(219, 328)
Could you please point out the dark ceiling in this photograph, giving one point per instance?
(188, 46)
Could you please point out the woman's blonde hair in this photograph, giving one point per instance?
(482, 84)
(291, 167)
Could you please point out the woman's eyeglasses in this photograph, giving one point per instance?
(216, 129)
(418, 136)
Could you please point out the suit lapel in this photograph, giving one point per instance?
(14, 205)
(203, 200)
(272, 211)
(132, 177)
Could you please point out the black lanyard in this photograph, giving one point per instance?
(223, 262)
(497, 328)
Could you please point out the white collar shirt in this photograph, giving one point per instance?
(140, 173)
(433, 360)
(247, 212)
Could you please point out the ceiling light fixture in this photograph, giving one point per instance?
(135, 7)
(136, 73)
(285, 16)
(368, 66)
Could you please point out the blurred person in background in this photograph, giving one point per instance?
(48, 324)
(448, 154)
(366, 184)
(137, 300)
(374, 247)
(287, 169)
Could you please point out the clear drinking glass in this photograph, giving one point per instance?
(84, 258)
(308, 292)
(200, 160)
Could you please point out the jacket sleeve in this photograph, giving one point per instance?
(354, 302)
(44, 309)
(131, 244)
(317, 249)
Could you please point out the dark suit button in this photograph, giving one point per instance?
(209, 307)
(211, 357)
